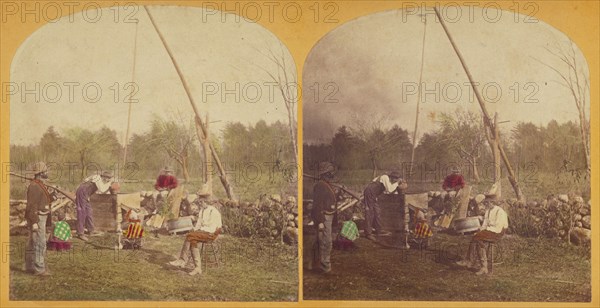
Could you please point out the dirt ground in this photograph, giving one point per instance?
(525, 269)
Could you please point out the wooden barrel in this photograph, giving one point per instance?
(104, 207)
(392, 212)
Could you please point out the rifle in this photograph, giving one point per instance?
(344, 189)
(51, 186)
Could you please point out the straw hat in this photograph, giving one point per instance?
(38, 167)
(325, 167)
(203, 191)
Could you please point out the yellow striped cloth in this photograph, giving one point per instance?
(422, 230)
(134, 230)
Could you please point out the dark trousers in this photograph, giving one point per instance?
(372, 213)
(84, 212)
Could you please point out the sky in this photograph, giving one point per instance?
(76, 58)
(368, 69)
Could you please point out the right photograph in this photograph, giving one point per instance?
(446, 157)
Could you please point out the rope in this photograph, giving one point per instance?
(414, 139)
(130, 103)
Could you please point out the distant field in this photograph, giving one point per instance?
(534, 186)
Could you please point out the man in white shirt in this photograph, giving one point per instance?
(100, 184)
(387, 183)
(207, 229)
(495, 223)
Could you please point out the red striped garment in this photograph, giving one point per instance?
(134, 230)
(422, 230)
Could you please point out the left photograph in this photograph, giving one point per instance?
(153, 157)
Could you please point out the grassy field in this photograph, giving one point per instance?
(251, 270)
(525, 270)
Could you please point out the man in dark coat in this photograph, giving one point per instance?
(36, 214)
(323, 213)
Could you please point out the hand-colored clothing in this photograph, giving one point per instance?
(422, 230)
(102, 187)
(495, 220)
(349, 230)
(165, 181)
(388, 186)
(85, 217)
(36, 247)
(62, 231)
(92, 184)
(324, 202)
(38, 200)
(326, 243)
(209, 220)
(134, 230)
(377, 187)
(454, 182)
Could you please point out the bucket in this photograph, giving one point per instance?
(468, 224)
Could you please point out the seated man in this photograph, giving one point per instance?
(206, 230)
(164, 183)
(495, 223)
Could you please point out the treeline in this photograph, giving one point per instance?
(458, 140)
(168, 142)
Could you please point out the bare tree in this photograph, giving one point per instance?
(285, 78)
(575, 79)
(370, 129)
(175, 139)
(465, 132)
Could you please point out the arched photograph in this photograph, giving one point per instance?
(446, 157)
(153, 158)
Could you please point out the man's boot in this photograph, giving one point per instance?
(197, 261)
(484, 263)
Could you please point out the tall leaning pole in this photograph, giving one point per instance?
(487, 120)
(201, 130)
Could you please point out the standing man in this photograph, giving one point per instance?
(93, 184)
(454, 181)
(495, 223)
(36, 214)
(323, 213)
(207, 229)
(386, 183)
(164, 183)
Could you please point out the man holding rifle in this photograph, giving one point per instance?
(323, 213)
(36, 214)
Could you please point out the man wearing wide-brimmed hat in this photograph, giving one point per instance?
(495, 224)
(97, 183)
(207, 229)
(386, 183)
(36, 214)
(324, 212)
(165, 182)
